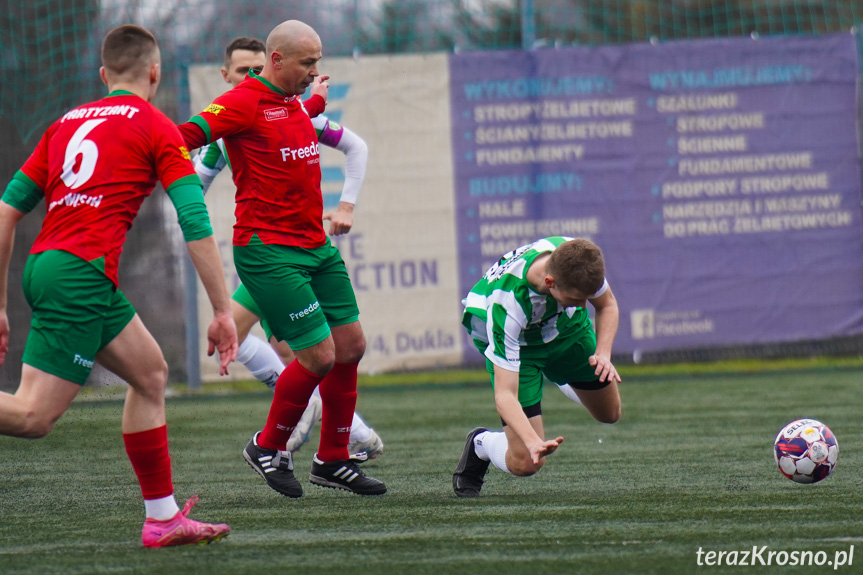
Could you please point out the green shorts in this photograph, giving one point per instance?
(244, 298)
(76, 312)
(563, 360)
(300, 292)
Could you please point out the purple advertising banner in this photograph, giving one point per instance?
(721, 178)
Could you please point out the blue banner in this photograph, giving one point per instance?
(721, 178)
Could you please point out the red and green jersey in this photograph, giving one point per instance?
(273, 148)
(95, 165)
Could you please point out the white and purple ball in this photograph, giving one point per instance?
(806, 451)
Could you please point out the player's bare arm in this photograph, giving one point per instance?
(9, 218)
(607, 319)
(509, 409)
(222, 332)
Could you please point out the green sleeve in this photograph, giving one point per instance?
(22, 193)
(211, 156)
(188, 200)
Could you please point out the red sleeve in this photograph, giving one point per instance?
(193, 135)
(36, 167)
(172, 156)
(315, 106)
(230, 113)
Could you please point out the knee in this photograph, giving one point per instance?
(611, 415)
(524, 467)
(319, 359)
(153, 381)
(353, 352)
(159, 376)
(36, 425)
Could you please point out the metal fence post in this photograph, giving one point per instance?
(190, 276)
(528, 24)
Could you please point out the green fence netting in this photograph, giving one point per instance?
(49, 62)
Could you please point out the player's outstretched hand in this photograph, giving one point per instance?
(544, 448)
(321, 87)
(4, 336)
(341, 219)
(604, 368)
(222, 335)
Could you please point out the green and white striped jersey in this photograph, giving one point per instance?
(211, 159)
(502, 309)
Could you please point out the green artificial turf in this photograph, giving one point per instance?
(689, 466)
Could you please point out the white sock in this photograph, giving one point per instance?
(359, 430)
(261, 359)
(492, 446)
(161, 509)
(567, 390)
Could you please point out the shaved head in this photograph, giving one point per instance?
(293, 52)
(290, 36)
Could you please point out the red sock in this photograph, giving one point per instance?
(339, 395)
(293, 389)
(148, 452)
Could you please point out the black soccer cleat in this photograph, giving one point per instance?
(470, 471)
(276, 467)
(345, 475)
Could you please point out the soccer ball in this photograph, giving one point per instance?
(806, 451)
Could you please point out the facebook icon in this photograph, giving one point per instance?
(642, 324)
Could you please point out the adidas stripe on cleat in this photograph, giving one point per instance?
(345, 475)
(276, 467)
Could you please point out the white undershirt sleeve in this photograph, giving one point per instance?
(206, 174)
(356, 157)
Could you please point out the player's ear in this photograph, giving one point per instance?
(276, 59)
(155, 72)
(224, 75)
(102, 75)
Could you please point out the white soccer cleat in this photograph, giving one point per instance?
(371, 447)
(303, 431)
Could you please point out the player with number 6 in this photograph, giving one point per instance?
(94, 167)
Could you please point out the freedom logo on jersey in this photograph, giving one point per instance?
(307, 152)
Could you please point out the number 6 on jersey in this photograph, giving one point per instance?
(89, 154)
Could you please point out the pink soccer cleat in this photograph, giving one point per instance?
(180, 530)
